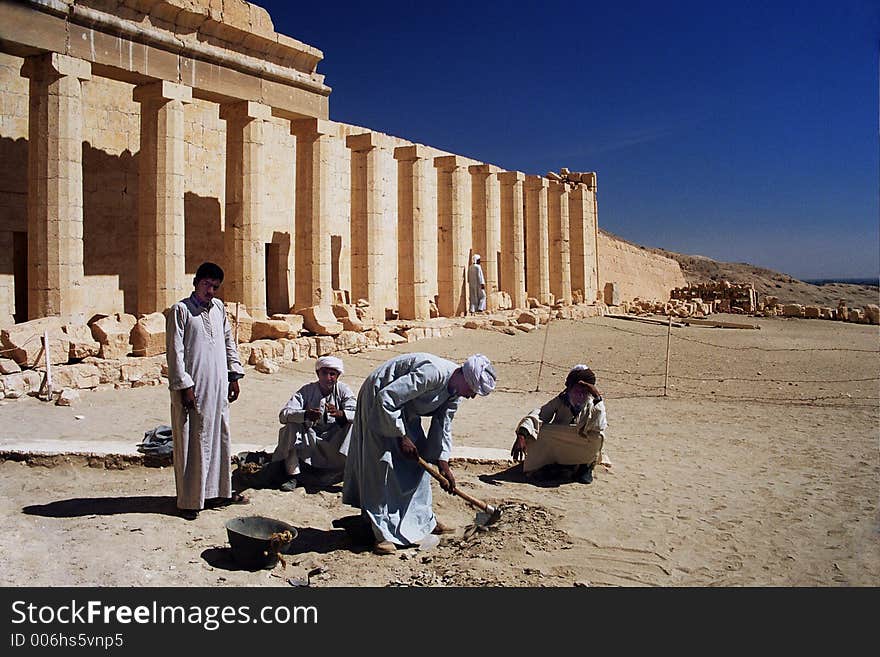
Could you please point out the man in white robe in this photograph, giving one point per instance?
(316, 426)
(382, 475)
(203, 373)
(476, 286)
(567, 430)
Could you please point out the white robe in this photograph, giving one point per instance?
(201, 352)
(476, 291)
(554, 434)
(393, 492)
(321, 444)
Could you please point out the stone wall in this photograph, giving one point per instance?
(635, 272)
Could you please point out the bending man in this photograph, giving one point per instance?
(382, 475)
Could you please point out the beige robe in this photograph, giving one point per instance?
(555, 435)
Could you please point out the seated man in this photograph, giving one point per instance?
(316, 426)
(567, 430)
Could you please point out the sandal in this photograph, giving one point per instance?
(237, 498)
(188, 514)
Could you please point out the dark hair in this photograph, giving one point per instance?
(576, 376)
(209, 270)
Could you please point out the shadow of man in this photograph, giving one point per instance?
(104, 506)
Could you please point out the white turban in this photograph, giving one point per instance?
(332, 362)
(476, 258)
(479, 374)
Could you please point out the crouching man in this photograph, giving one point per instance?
(316, 425)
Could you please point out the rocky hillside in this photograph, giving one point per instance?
(699, 269)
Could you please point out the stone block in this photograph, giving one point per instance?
(244, 353)
(261, 350)
(793, 310)
(348, 316)
(8, 366)
(577, 296)
(498, 300)
(15, 385)
(855, 315)
(533, 302)
(114, 333)
(307, 347)
(812, 312)
(611, 294)
(386, 336)
(79, 375)
(872, 313)
(148, 335)
(68, 397)
(24, 342)
(295, 322)
(320, 320)
(82, 344)
(527, 318)
(135, 370)
(525, 328)
(267, 366)
(109, 369)
(324, 344)
(245, 321)
(351, 340)
(270, 329)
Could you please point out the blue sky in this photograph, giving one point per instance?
(745, 132)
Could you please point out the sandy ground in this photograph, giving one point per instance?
(760, 468)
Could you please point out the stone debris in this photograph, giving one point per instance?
(148, 335)
(113, 332)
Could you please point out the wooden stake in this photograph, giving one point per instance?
(668, 337)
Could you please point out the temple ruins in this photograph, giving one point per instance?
(139, 138)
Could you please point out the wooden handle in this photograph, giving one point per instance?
(439, 477)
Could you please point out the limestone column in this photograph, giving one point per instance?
(453, 233)
(56, 280)
(417, 234)
(582, 242)
(487, 222)
(537, 242)
(161, 186)
(512, 275)
(245, 279)
(560, 254)
(374, 249)
(313, 206)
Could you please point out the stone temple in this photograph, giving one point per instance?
(139, 138)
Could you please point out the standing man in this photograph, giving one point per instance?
(316, 424)
(382, 475)
(203, 374)
(476, 286)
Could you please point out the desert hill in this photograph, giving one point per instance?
(700, 269)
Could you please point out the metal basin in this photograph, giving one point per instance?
(250, 538)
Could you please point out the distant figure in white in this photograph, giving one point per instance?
(316, 425)
(567, 430)
(476, 286)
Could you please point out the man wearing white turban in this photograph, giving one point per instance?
(476, 286)
(382, 474)
(316, 425)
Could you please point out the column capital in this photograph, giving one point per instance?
(412, 152)
(449, 162)
(590, 180)
(245, 110)
(313, 128)
(367, 141)
(511, 177)
(485, 169)
(56, 64)
(161, 91)
(536, 182)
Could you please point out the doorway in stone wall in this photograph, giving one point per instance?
(19, 275)
(276, 279)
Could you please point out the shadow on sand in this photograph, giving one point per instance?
(104, 506)
(550, 476)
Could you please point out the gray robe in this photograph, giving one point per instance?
(201, 352)
(322, 444)
(393, 492)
